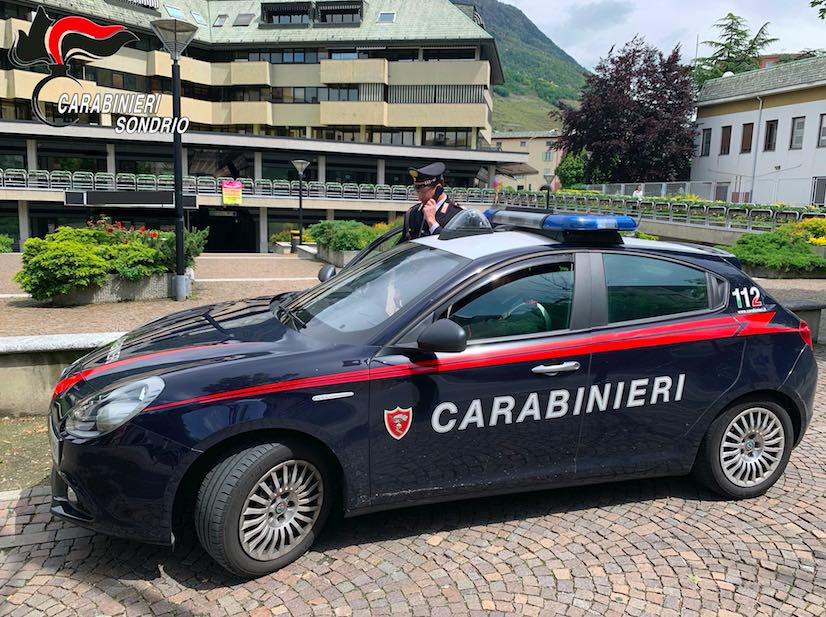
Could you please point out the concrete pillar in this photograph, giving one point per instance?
(31, 154)
(258, 166)
(322, 168)
(185, 162)
(111, 165)
(491, 175)
(474, 139)
(331, 215)
(308, 132)
(363, 133)
(391, 217)
(263, 231)
(380, 172)
(417, 139)
(23, 221)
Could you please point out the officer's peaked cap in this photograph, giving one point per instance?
(427, 175)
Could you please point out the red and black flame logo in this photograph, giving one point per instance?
(57, 43)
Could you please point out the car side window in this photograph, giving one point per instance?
(645, 287)
(530, 301)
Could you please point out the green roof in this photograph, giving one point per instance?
(431, 21)
(795, 75)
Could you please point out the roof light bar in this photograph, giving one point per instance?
(560, 222)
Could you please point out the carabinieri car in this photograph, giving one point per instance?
(513, 352)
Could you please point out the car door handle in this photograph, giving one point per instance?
(553, 369)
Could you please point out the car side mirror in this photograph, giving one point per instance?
(326, 273)
(443, 335)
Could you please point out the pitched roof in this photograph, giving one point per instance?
(795, 75)
(423, 20)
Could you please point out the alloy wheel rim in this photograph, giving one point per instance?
(752, 447)
(280, 510)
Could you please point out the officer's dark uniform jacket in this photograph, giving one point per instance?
(414, 224)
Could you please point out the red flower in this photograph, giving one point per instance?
(154, 234)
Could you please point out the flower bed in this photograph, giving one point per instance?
(785, 253)
(95, 263)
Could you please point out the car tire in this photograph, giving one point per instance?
(745, 450)
(279, 494)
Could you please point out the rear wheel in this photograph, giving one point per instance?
(746, 449)
(263, 507)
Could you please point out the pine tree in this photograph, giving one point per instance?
(736, 50)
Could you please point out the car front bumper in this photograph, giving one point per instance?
(119, 484)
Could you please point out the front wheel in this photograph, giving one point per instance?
(261, 508)
(745, 450)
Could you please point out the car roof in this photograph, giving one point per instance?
(485, 245)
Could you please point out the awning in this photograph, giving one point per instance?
(515, 169)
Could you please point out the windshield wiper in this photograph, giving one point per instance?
(280, 308)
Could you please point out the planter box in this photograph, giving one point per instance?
(820, 250)
(281, 248)
(338, 258)
(116, 289)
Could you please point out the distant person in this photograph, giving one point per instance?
(638, 194)
(434, 208)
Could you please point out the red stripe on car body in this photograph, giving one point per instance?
(652, 336)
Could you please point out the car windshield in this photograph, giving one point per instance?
(355, 305)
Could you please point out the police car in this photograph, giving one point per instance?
(515, 351)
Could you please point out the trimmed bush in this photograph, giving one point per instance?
(6, 243)
(346, 235)
(777, 250)
(51, 268)
(284, 236)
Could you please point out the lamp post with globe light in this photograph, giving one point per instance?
(175, 35)
(300, 166)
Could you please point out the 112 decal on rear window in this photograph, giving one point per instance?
(747, 298)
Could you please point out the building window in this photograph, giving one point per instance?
(770, 143)
(449, 54)
(523, 144)
(175, 12)
(705, 145)
(386, 18)
(821, 134)
(798, 126)
(335, 15)
(243, 19)
(393, 137)
(199, 19)
(220, 21)
(746, 139)
(725, 140)
(447, 137)
(548, 156)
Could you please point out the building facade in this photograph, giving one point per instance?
(762, 134)
(362, 89)
(543, 156)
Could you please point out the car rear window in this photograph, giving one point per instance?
(645, 287)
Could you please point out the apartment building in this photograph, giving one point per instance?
(363, 89)
(543, 156)
(762, 134)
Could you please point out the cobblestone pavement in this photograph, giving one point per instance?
(645, 547)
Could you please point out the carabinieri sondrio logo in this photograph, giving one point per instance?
(57, 43)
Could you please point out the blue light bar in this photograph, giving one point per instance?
(561, 222)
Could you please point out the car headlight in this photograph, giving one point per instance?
(103, 413)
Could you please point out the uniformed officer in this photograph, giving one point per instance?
(434, 208)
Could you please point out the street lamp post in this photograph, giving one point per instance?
(175, 36)
(547, 187)
(300, 166)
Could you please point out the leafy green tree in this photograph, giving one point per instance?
(736, 49)
(820, 5)
(571, 169)
(634, 120)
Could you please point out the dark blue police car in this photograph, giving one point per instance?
(549, 352)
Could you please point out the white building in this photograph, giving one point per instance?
(761, 134)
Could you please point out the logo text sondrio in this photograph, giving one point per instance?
(447, 416)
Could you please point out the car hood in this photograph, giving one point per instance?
(230, 331)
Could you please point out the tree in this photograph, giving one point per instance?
(634, 118)
(820, 5)
(737, 50)
(571, 169)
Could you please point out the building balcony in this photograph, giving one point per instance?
(354, 113)
(368, 71)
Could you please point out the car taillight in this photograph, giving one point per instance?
(806, 334)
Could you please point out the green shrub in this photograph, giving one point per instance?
(284, 235)
(52, 267)
(345, 235)
(6, 243)
(135, 261)
(164, 242)
(778, 250)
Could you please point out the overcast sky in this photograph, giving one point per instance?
(587, 29)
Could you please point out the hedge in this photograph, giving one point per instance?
(346, 235)
(6, 243)
(785, 250)
(72, 258)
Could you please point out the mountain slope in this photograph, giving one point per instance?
(535, 67)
